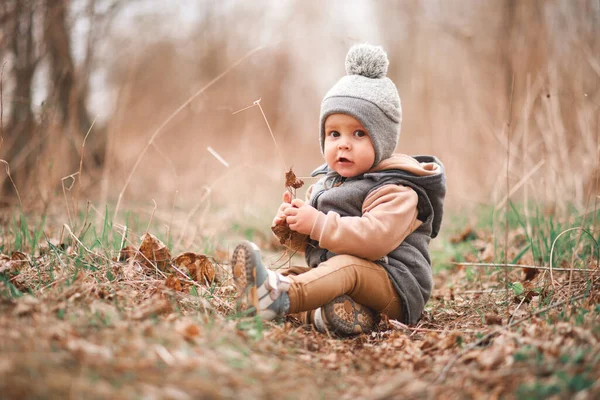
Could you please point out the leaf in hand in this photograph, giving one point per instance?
(287, 236)
(292, 181)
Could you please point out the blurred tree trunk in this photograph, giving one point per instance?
(25, 63)
(69, 88)
(19, 16)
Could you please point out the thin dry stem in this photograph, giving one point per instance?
(87, 212)
(204, 290)
(521, 266)
(13, 182)
(523, 180)
(78, 189)
(571, 269)
(151, 216)
(62, 181)
(68, 228)
(171, 218)
(508, 131)
(217, 156)
(1, 107)
(257, 102)
(207, 192)
(171, 117)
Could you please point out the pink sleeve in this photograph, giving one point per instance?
(389, 216)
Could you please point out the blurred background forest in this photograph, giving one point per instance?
(482, 84)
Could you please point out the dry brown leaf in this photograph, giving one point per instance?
(530, 273)
(127, 252)
(153, 306)
(153, 251)
(173, 283)
(199, 266)
(18, 256)
(491, 358)
(26, 305)
(464, 235)
(188, 330)
(488, 253)
(288, 237)
(493, 319)
(291, 181)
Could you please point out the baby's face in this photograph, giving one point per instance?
(348, 147)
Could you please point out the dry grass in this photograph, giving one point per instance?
(89, 325)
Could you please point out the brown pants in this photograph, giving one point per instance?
(364, 281)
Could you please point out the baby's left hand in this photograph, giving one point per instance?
(301, 216)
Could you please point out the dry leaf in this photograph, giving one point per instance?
(288, 237)
(493, 319)
(174, 283)
(188, 330)
(291, 181)
(18, 256)
(488, 253)
(200, 268)
(491, 358)
(26, 305)
(153, 251)
(530, 273)
(153, 306)
(464, 235)
(127, 252)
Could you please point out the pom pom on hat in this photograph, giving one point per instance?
(367, 60)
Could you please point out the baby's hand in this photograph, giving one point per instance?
(301, 216)
(280, 216)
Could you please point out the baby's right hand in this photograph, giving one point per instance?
(280, 216)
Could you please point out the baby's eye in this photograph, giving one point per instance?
(360, 133)
(334, 134)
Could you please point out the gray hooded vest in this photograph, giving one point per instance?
(409, 265)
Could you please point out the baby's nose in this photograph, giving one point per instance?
(343, 144)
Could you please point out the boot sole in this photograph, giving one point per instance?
(347, 317)
(243, 267)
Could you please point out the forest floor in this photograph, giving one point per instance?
(81, 318)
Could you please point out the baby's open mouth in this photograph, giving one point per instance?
(343, 159)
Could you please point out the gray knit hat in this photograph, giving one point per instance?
(369, 96)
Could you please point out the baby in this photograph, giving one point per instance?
(367, 221)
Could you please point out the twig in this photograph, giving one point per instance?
(172, 116)
(81, 166)
(467, 264)
(517, 309)
(257, 103)
(217, 156)
(485, 338)
(519, 184)
(13, 182)
(87, 212)
(244, 109)
(208, 191)
(151, 216)
(65, 226)
(188, 280)
(171, 218)
(62, 181)
(271, 132)
(400, 326)
(508, 130)
(1, 107)
(571, 269)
